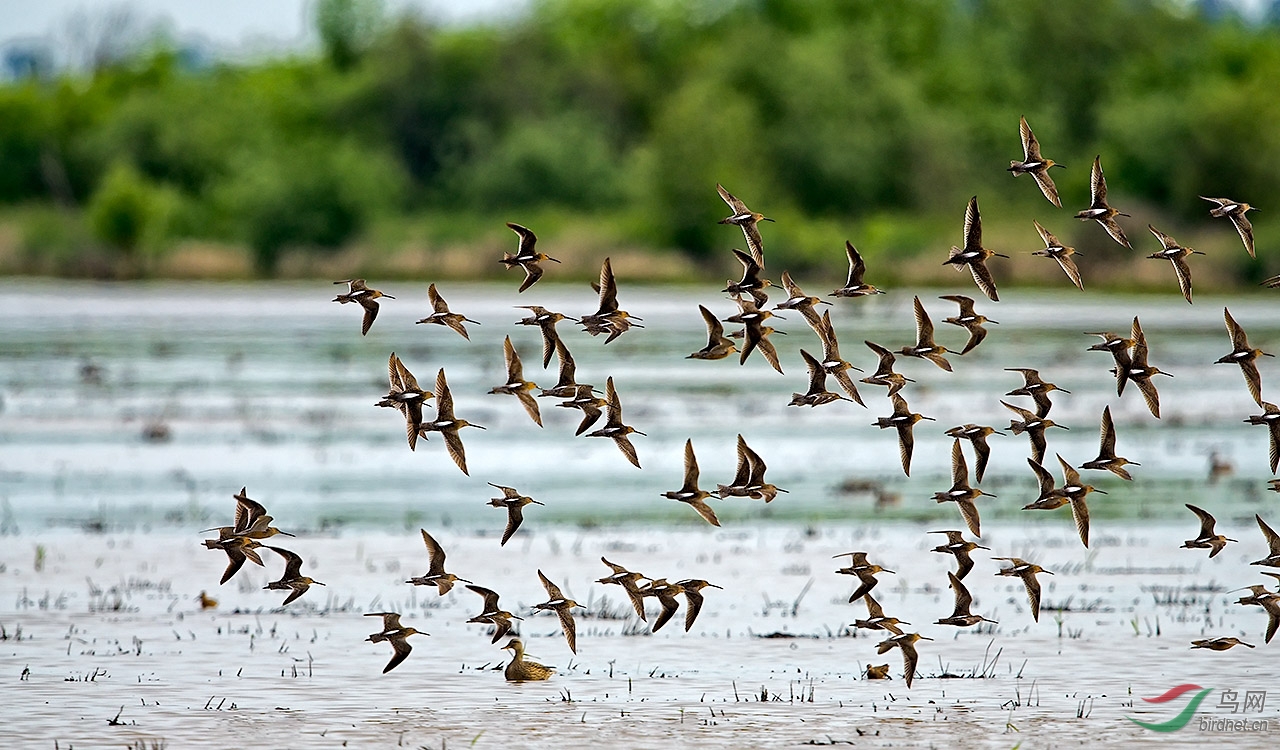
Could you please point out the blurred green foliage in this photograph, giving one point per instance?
(845, 118)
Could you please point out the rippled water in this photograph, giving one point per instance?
(271, 386)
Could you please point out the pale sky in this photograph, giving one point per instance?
(228, 23)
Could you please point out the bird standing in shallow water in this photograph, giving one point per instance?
(519, 670)
(436, 575)
(1034, 164)
(359, 292)
(397, 634)
(973, 254)
(1098, 209)
(1234, 210)
(526, 257)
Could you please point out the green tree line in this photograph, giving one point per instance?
(845, 119)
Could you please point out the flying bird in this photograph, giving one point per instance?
(514, 502)
(689, 493)
(292, 581)
(958, 546)
(1207, 538)
(526, 257)
(1177, 255)
(441, 314)
(1034, 164)
(516, 385)
(925, 346)
(447, 424)
(436, 575)
(718, 346)
(1107, 458)
(1098, 209)
(367, 298)
(1027, 572)
(396, 634)
(977, 435)
(961, 493)
(613, 426)
(563, 607)
(1234, 210)
(961, 616)
(968, 319)
(746, 220)
(853, 285)
(973, 254)
(902, 419)
(1244, 355)
(1053, 248)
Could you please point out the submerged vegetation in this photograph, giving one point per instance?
(404, 146)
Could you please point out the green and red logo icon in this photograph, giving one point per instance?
(1184, 717)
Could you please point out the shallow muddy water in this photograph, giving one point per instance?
(131, 414)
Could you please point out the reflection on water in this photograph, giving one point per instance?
(137, 403)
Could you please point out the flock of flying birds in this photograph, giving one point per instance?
(1130, 355)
